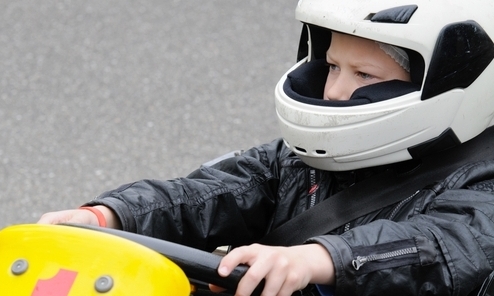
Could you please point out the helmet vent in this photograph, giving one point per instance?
(369, 17)
(301, 150)
(319, 152)
(395, 15)
(463, 50)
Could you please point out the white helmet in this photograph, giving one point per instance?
(449, 101)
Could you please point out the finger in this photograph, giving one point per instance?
(251, 279)
(272, 284)
(216, 289)
(242, 255)
(52, 218)
(289, 285)
(274, 268)
(69, 216)
(237, 256)
(264, 264)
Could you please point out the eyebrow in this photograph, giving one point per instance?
(356, 64)
(364, 64)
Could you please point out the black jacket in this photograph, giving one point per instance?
(439, 241)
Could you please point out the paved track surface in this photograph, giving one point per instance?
(95, 94)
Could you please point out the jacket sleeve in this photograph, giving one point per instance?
(229, 202)
(444, 246)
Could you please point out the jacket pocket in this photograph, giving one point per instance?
(417, 250)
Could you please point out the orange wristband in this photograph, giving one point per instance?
(99, 215)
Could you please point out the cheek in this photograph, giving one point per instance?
(398, 73)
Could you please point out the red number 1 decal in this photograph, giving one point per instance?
(59, 285)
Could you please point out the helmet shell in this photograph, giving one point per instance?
(454, 103)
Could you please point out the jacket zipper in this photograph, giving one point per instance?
(361, 260)
(395, 210)
(313, 188)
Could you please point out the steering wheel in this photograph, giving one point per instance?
(199, 266)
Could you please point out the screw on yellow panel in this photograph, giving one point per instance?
(40, 260)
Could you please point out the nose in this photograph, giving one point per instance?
(338, 88)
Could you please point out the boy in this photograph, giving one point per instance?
(323, 103)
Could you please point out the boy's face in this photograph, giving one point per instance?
(355, 62)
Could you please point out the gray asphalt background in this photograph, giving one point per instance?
(95, 93)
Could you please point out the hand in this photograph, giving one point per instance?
(81, 216)
(285, 269)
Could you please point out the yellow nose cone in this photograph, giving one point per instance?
(58, 260)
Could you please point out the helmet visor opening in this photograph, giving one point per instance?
(306, 85)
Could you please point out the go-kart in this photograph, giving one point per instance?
(41, 260)
(67, 260)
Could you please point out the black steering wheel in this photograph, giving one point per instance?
(199, 266)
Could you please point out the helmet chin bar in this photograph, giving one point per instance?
(334, 164)
(445, 141)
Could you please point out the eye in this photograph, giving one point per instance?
(365, 76)
(332, 67)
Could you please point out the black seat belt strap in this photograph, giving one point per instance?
(378, 192)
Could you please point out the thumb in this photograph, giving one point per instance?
(216, 289)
